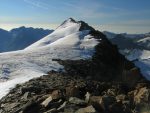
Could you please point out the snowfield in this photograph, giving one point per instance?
(66, 42)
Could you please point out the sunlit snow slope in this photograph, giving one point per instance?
(68, 41)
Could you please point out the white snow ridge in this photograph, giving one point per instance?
(66, 42)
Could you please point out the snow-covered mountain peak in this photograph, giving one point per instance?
(70, 32)
(71, 40)
(67, 23)
(71, 21)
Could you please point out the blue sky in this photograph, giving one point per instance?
(132, 16)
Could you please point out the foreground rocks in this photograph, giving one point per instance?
(61, 93)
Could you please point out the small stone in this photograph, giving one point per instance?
(12, 105)
(1, 111)
(53, 110)
(95, 99)
(120, 97)
(25, 96)
(56, 94)
(75, 100)
(46, 102)
(89, 109)
(111, 92)
(62, 106)
(87, 97)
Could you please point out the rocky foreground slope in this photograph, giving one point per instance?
(104, 83)
(57, 93)
(62, 93)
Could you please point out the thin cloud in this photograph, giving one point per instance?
(91, 11)
(99, 10)
(37, 3)
(86, 11)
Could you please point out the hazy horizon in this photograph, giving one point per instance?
(104, 15)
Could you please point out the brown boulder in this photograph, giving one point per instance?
(72, 91)
(56, 94)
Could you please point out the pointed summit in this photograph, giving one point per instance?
(83, 25)
(72, 20)
(67, 22)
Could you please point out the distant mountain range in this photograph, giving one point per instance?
(134, 36)
(129, 41)
(20, 38)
